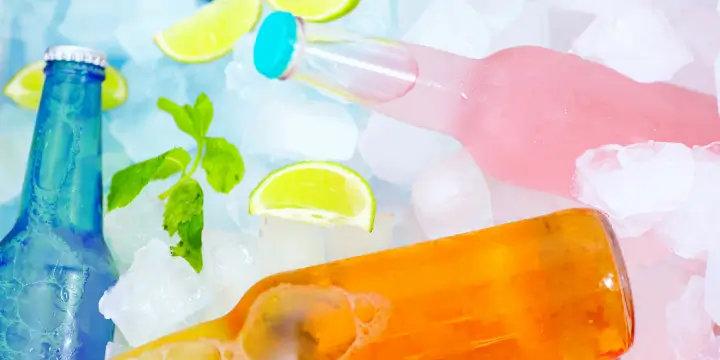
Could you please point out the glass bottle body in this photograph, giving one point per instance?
(54, 263)
(548, 288)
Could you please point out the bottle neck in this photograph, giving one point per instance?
(357, 68)
(63, 182)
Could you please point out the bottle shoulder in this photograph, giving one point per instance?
(45, 244)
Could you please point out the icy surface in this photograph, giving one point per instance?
(128, 229)
(451, 25)
(156, 296)
(16, 129)
(452, 197)
(398, 152)
(640, 43)
(662, 198)
(637, 184)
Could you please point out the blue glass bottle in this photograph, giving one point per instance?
(54, 263)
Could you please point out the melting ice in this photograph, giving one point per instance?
(662, 198)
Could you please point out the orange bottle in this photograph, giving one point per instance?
(548, 288)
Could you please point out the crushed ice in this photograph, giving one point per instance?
(661, 198)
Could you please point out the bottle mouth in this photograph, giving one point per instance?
(274, 48)
(76, 54)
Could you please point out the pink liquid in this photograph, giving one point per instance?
(526, 113)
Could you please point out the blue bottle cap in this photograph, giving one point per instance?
(275, 44)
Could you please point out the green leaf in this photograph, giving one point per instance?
(127, 184)
(204, 112)
(183, 119)
(223, 165)
(176, 160)
(190, 245)
(185, 202)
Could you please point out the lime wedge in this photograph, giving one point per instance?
(316, 192)
(315, 10)
(25, 87)
(211, 32)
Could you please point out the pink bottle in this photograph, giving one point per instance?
(525, 114)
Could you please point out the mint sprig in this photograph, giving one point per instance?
(221, 160)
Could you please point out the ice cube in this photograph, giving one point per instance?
(148, 134)
(113, 350)
(504, 200)
(695, 77)
(398, 152)
(716, 69)
(697, 23)
(16, 131)
(407, 12)
(453, 26)
(228, 269)
(8, 215)
(712, 281)
(370, 17)
(653, 287)
(102, 17)
(113, 162)
(566, 27)
(711, 352)
(348, 241)
(606, 7)
(638, 43)
(452, 197)
(287, 245)
(689, 326)
(407, 229)
(636, 185)
(389, 197)
(32, 22)
(497, 15)
(130, 228)
(156, 296)
(139, 126)
(530, 27)
(646, 250)
(136, 31)
(237, 206)
(302, 130)
(357, 163)
(693, 228)
(215, 206)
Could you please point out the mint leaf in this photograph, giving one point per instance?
(183, 119)
(176, 160)
(127, 184)
(203, 113)
(223, 165)
(190, 245)
(185, 202)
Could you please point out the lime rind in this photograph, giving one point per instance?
(342, 8)
(364, 218)
(167, 40)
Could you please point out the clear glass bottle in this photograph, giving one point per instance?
(54, 263)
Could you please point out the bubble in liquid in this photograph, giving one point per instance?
(313, 322)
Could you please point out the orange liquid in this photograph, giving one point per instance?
(547, 288)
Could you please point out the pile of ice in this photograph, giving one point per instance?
(661, 197)
(662, 200)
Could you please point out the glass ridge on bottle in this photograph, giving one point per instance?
(54, 263)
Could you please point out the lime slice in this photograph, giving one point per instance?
(315, 10)
(211, 32)
(316, 192)
(25, 88)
